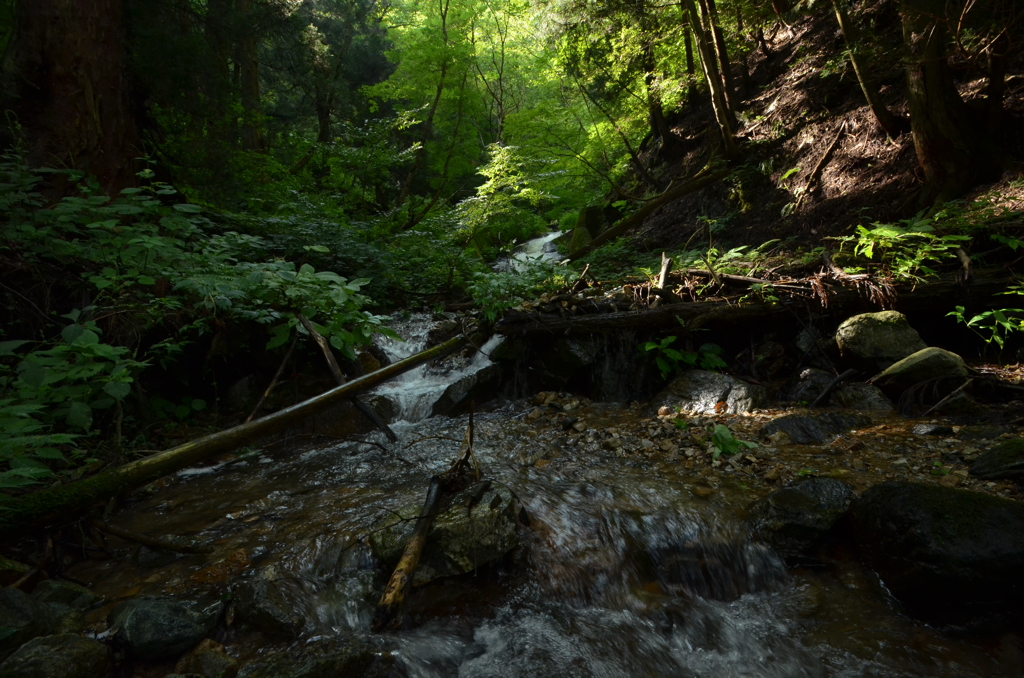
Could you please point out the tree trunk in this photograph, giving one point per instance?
(723, 115)
(68, 73)
(889, 123)
(249, 74)
(691, 84)
(715, 30)
(659, 123)
(953, 147)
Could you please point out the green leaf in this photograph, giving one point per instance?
(7, 347)
(117, 389)
(188, 209)
(80, 415)
(182, 411)
(71, 333)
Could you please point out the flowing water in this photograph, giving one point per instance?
(542, 249)
(626, 570)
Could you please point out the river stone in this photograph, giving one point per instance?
(65, 593)
(468, 533)
(877, 340)
(356, 658)
(794, 519)
(21, 619)
(478, 387)
(814, 429)
(1005, 460)
(948, 369)
(260, 604)
(153, 628)
(63, 656)
(935, 546)
(208, 659)
(861, 396)
(700, 392)
(810, 385)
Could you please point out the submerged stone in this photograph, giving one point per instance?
(356, 658)
(796, 518)
(814, 429)
(477, 387)
(208, 659)
(937, 547)
(479, 525)
(260, 605)
(154, 628)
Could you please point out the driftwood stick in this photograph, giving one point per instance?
(666, 268)
(390, 605)
(277, 377)
(581, 282)
(947, 398)
(831, 386)
(19, 514)
(151, 542)
(332, 363)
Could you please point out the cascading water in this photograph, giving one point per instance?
(542, 249)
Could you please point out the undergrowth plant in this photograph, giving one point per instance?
(670, 360)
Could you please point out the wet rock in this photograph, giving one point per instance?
(815, 429)
(355, 658)
(153, 628)
(152, 559)
(933, 430)
(982, 432)
(568, 355)
(479, 387)
(508, 350)
(1005, 460)
(718, 569)
(62, 656)
(877, 340)
(937, 548)
(812, 382)
(861, 396)
(796, 518)
(442, 332)
(701, 392)
(11, 571)
(208, 659)
(960, 405)
(65, 593)
(21, 617)
(261, 605)
(477, 527)
(813, 348)
(943, 370)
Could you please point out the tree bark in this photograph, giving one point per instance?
(249, 74)
(889, 123)
(691, 85)
(67, 70)
(953, 147)
(21, 514)
(723, 115)
(710, 10)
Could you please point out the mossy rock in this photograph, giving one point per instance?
(1003, 461)
(877, 340)
(944, 370)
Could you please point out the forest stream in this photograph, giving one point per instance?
(633, 565)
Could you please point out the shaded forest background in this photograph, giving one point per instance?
(188, 181)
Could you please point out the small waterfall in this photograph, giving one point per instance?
(415, 392)
(538, 249)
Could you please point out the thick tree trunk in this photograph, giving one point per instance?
(715, 30)
(954, 148)
(889, 123)
(723, 115)
(67, 69)
(249, 74)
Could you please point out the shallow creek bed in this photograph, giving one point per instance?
(637, 562)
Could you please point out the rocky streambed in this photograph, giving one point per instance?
(710, 531)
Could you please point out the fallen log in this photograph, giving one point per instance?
(933, 296)
(19, 514)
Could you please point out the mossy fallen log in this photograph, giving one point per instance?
(20, 514)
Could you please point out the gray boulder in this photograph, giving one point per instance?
(65, 593)
(63, 656)
(937, 548)
(479, 387)
(877, 340)
(700, 392)
(261, 605)
(478, 526)
(861, 396)
(795, 519)
(153, 628)
(1005, 460)
(814, 429)
(944, 370)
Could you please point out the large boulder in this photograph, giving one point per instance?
(860, 396)
(1002, 461)
(154, 628)
(261, 605)
(478, 525)
(62, 656)
(21, 619)
(703, 392)
(875, 341)
(795, 519)
(945, 371)
(814, 429)
(65, 593)
(478, 387)
(936, 547)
